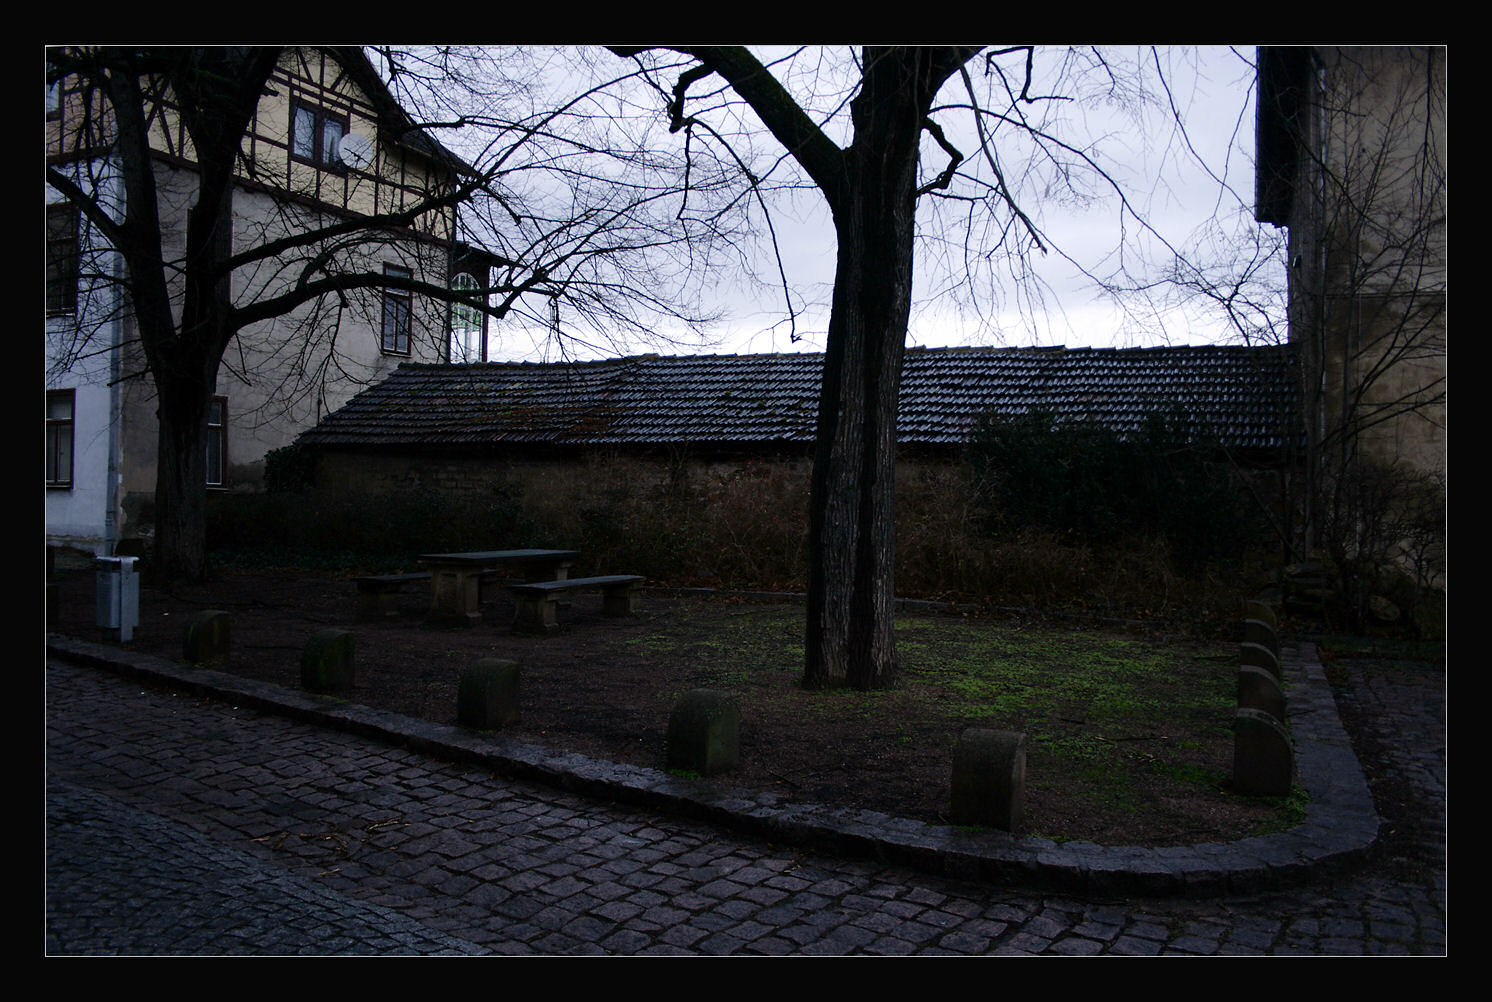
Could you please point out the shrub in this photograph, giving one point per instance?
(1382, 529)
(290, 470)
(736, 524)
(1166, 481)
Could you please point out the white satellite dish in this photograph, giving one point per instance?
(355, 150)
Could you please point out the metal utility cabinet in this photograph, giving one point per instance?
(118, 593)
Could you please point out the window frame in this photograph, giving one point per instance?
(217, 434)
(320, 119)
(468, 319)
(398, 304)
(53, 473)
(53, 99)
(63, 260)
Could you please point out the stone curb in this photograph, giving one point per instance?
(1340, 828)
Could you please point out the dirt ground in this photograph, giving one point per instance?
(604, 687)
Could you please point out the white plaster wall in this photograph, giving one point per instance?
(282, 376)
(81, 354)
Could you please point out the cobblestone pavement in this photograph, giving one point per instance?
(181, 825)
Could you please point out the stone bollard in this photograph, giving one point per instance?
(989, 779)
(326, 664)
(1256, 631)
(703, 732)
(1263, 612)
(487, 698)
(1259, 690)
(1260, 657)
(207, 638)
(1263, 759)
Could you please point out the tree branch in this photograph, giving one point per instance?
(819, 157)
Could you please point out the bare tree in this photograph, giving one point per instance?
(1365, 140)
(585, 205)
(1353, 162)
(218, 91)
(260, 289)
(1351, 169)
(971, 137)
(871, 186)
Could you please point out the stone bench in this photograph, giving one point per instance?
(376, 593)
(455, 586)
(538, 601)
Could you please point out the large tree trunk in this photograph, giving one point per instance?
(185, 371)
(180, 552)
(852, 528)
(852, 531)
(872, 189)
(219, 89)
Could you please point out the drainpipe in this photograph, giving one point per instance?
(116, 397)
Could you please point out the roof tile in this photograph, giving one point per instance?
(1241, 394)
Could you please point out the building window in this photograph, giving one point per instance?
(54, 99)
(398, 309)
(315, 135)
(59, 462)
(217, 442)
(62, 260)
(467, 343)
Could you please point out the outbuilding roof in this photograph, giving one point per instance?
(1243, 396)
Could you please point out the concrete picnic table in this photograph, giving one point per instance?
(454, 577)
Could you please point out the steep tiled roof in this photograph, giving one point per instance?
(740, 400)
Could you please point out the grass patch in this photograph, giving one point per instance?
(1127, 735)
(1113, 717)
(756, 645)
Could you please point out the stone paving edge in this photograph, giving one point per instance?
(1340, 830)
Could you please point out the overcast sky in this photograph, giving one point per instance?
(1172, 127)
